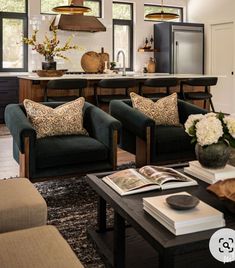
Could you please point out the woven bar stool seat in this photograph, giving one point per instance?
(64, 84)
(123, 85)
(205, 95)
(157, 83)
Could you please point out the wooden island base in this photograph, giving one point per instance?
(32, 87)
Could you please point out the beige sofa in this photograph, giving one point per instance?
(39, 247)
(25, 239)
(21, 205)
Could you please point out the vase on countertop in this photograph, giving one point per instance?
(151, 66)
(49, 63)
(213, 156)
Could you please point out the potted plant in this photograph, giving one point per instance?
(49, 48)
(213, 135)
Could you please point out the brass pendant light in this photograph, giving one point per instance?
(162, 15)
(75, 7)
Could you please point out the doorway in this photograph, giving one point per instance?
(222, 53)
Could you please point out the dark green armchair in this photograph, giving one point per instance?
(60, 156)
(154, 144)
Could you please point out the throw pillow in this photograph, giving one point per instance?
(66, 119)
(164, 111)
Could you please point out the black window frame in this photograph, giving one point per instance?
(177, 7)
(53, 14)
(129, 23)
(24, 18)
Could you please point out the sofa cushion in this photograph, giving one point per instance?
(164, 111)
(40, 247)
(21, 205)
(172, 139)
(66, 119)
(68, 150)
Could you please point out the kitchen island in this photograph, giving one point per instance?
(31, 86)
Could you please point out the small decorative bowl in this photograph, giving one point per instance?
(51, 73)
(182, 201)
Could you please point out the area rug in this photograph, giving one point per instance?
(72, 209)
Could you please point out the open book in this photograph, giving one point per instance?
(131, 181)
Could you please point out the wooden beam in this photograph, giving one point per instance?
(142, 155)
(148, 137)
(24, 160)
(115, 140)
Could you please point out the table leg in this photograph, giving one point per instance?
(101, 215)
(119, 248)
(166, 259)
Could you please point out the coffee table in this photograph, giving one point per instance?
(144, 242)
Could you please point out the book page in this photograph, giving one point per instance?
(128, 180)
(160, 175)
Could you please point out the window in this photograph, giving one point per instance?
(13, 25)
(123, 31)
(95, 5)
(157, 8)
(47, 5)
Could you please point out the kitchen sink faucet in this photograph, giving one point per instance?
(124, 61)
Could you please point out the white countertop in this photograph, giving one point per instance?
(12, 74)
(34, 76)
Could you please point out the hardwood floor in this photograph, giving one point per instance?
(9, 168)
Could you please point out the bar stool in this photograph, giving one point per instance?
(122, 83)
(205, 95)
(64, 84)
(166, 83)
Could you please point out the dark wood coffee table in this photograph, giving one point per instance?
(144, 242)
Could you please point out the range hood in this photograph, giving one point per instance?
(77, 22)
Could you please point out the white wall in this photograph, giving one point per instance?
(211, 12)
(94, 41)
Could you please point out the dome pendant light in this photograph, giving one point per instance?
(162, 15)
(76, 7)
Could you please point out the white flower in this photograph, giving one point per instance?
(191, 121)
(209, 130)
(230, 122)
(210, 115)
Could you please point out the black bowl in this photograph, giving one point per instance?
(182, 201)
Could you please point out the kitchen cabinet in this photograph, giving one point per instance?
(8, 93)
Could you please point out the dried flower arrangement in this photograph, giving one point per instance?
(49, 48)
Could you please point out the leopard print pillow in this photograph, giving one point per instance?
(164, 111)
(66, 119)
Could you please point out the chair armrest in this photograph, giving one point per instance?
(19, 126)
(100, 125)
(131, 119)
(104, 128)
(186, 109)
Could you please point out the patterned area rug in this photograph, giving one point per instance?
(72, 209)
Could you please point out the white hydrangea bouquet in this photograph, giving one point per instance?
(214, 135)
(211, 128)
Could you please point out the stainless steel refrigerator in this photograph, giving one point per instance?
(179, 48)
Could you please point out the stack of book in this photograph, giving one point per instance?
(210, 175)
(179, 222)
